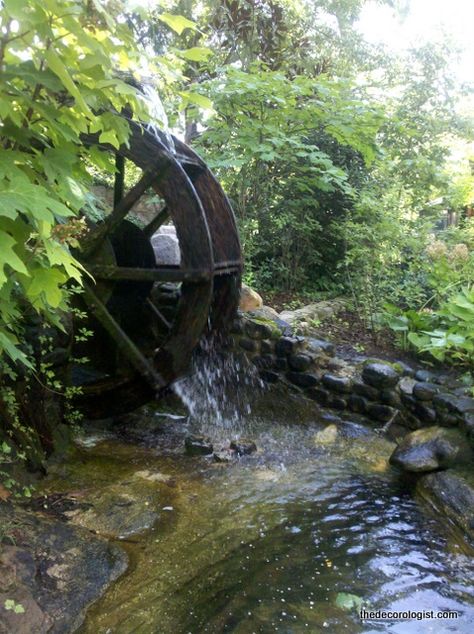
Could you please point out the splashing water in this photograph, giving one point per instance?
(220, 388)
(158, 126)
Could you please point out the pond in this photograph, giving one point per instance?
(297, 537)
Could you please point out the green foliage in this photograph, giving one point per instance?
(453, 337)
(62, 66)
(59, 61)
(11, 604)
(265, 144)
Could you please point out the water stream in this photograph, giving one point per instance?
(296, 537)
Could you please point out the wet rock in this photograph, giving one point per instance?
(357, 404)
(265, 312)
(448, 420)
(319, 395)
(287, 345)
(408, 401)
(237, 327)
(390, 397)
(299, 362)
(348, 429)
(243, 447)
(425, 391)
(269, 376)
(467, 426)
(339, 384)
(326, 436)
(302, 379)
(364, 390)
(430, 449)
(406, 385)
(198, 445)
(267, 347)
(380, 375)
(249, 299)
(223, 455)
(118, 511)
(336, 364)
(55, 571)
(455, 404)
(269, 314)
(258, 330)
(281, 363)
(337, 402)
(264, 361)
(405, 369)
(381, 413)
(425, 413)
(248, 344)
(319, 345)
(425, 375)
(452, 492)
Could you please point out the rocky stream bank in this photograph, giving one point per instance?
(145, 508)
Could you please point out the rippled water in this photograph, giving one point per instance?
(291, 539)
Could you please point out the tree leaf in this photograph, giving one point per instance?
(177, 22)
(196, 54)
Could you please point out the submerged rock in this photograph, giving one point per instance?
(326, 436)
(118, 510)
(243, 447)
(430, 449)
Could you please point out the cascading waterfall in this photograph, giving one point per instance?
(219, 389)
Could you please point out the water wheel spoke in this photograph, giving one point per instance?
(123, 341)
(119, 178)
(160, 218)
(158, 274)
(97, 235)
(158, 314)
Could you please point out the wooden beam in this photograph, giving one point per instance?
(158, 274)
(160, 218)
(123, 341)
(94, 239)
(119, 178)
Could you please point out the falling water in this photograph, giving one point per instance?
(219, 390)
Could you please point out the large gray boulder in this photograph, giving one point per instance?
(431, 449)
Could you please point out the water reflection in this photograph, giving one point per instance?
(293, 539)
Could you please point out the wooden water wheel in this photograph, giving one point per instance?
(147, 318)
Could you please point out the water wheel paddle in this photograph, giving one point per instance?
(149, 317)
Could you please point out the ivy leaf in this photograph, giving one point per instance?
(177, 22)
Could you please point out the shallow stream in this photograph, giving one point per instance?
(296, 537)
